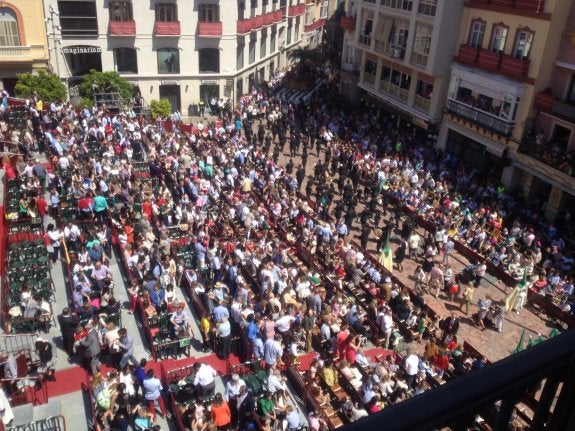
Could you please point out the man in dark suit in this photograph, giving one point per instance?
(246, 406)
(450, 327)
(68, 324)
(91, 346)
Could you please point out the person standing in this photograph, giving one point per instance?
(467, 298)
(224, 332)
(153, 394)
(246, 406)
(91, 346)
(204, 379)
(55, 237)
(68, 324)
(411, 368)
(126, 343)
(221, 413)
(450, 327)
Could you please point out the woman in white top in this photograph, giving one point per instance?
(55, 237)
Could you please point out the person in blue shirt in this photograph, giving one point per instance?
(100, 207)
(158, 297)
(252, 333)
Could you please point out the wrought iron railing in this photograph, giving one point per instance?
(480, 118)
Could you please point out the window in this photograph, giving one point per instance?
(424, 89)
(309, 18)
(8, 28)
(571, 93)
(324, 10)
(398, 4)
(400, 79)
(241, 9)
(126, 60)
(252, 48)
(366, 27)
(498, 38)
(209, 13)
(263, 43)
(369, 71)
(348, 52)
(168, 60)
(421, 44)
(296, 31)
(273, 40)
(209, 60)
(476, 33)
(523, 42)
(121, 11)
(240, 53)
(289, 29)
(427, 7)
(166, 12)
(78, 18)
(399, 33)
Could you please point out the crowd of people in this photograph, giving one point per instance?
(245, 210)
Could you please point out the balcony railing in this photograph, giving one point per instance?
(514, 67)
(296, 10)
(167, 28)
(489, 60)
(393, 90)
(210, 29)
(422, 103)
(532, 6)
(389, 49)
(467, 54)
(347, 23)
(369, 79)
(15, 51)
(419, 59)
(314, 25)
(481, 118)
(456, 404)
(122, 28)
(244, 26)
(364, 39)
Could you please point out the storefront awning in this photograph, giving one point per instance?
(490, 145)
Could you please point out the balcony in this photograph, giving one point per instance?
(258, 22)
(365, 39)
(369, 79)
(467, 54)
(210, 29)
(514, 67)
(167, 28)
(530, 6)
(244, 26)
(349, 67)
(422, 103)
(544, 100)
(272, 17)
(394, 91)
(419, 59)
(122, 28)
(314, 25)
(489, 60)
(481, 118)
(14, 52)
(347, 23)
(389, 49)
(296, 10)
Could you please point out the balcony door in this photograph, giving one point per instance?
(172, 93)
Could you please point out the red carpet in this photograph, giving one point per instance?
(67, 381)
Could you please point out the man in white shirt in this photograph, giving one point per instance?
(204, 379)
(233, 388)
(276, 381)
(411, 367)
(385, 322)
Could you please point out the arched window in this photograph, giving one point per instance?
(168, 60)
(8, 28)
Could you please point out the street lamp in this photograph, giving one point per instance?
(53, 31)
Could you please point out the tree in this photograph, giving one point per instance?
(106, 82)
(160, 108)
(47, 85)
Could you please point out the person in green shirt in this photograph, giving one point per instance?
(266, 405)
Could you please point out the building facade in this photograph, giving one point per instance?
(505, 56)
(23, 42)
(546, 156)
(185, 51)
(398, 52)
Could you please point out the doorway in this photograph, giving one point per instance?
(172, 93)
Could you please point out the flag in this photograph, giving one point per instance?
(386, 255)
(520, 347)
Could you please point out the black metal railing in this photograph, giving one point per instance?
(456, 404)
(480, 118)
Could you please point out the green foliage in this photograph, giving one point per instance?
(306, 56)
(160, 108)
(47, 85)
(105, 80)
